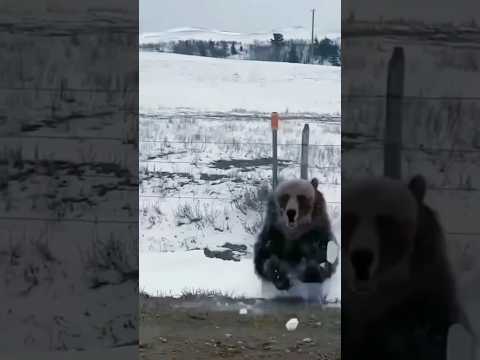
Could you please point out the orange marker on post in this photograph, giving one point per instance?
(275, 120)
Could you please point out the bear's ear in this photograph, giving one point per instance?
(314, 182)
(418, 187)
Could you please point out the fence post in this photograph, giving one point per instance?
(304, 156)
(392, 157)
(275, 120)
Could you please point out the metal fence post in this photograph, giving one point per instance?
(392, 161)
(304, 156)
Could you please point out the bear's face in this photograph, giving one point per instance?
(295, 200)
(379, 221)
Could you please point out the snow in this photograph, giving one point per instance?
(209, 84)
(179, 272)
(194, 33)
(66, 287)
(176, 273)
(469, 295)
(243, 311)
(292, 324)
(188, 271)
(459, 344)
(197, 110)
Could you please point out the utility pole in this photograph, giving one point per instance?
(313, 36)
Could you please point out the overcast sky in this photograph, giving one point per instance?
(239, 15)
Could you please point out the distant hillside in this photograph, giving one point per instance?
(191, 33)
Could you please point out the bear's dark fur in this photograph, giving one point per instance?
(412, 319)
(277, 252)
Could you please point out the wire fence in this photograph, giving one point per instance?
(427, 150)
(412, 97)
(193, 198)
(327, 119)
(358, 141)
(53, 219)
(197, 145)
(323, 119)
(198, 163)
(419, 148)
(61, 88)
(184, 142)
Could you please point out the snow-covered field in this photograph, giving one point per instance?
(191, 33)
(67, 217)
(208, 84)
(205, 144)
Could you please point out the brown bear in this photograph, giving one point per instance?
(295, 236)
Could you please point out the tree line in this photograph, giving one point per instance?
(323, 51)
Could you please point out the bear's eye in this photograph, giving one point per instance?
(303, 202)
(392, 238)
(283, 200)
(349, 223)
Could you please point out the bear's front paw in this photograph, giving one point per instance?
(277, 273)
(314, 273)
(280, 280)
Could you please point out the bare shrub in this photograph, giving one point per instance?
(253, 200)
(114, 256)
(14, 252)
(31, 277)
(211, 217)
(43, 249)
(202, 217)
(188, 214)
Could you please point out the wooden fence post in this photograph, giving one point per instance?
(304, 156)
(392, 158)
(275, 121)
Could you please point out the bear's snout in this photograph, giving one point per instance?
(291, 215)
(362, 260)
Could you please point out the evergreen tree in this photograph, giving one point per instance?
(292, 55)
(334, 60)
(224, 51)
(189, 49)
(316, 49)
(277, 44)
(183, 47)
(202, 49)
(277, 38)
(211, 48)
(233, 50)
(325, 49)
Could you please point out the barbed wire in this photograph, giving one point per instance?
(317, 120)
(456, 233)
(74, 220)
(136, 222)
(234, 143)
(424, 150)
(420, 148)
(412, 97)
(61, 89)
(193, 197)
(212, 164)
(335, 203)
(62, 137)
